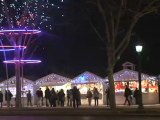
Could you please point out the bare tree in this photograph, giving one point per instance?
(119, 16)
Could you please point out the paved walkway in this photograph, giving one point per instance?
(122, 110)
(152, 106)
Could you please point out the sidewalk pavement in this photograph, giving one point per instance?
(122, 110)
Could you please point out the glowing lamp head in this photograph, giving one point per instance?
(139, 48)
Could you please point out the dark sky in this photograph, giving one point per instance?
(73, 47)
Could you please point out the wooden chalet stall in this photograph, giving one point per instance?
(88, 80)
(130, 77)
(10, 84)
(53, 81)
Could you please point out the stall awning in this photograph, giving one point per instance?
(12, 81)
(130, 75)
(87, 77)
(53, 80)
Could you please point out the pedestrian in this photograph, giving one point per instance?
(107, 95)
(79, 97)
(39, 94)
(53, 98)
(1, 98)
(136, 96)
(47, 96)
(8, 97)
(96, 96)
(89, 97)
(58, 101)
(68, 97)
(71, 98)
(127, 95)
(61, 97)
(29, 98)
(75, 94)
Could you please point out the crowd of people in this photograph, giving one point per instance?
(52, 98)
(8, 97)
(72, 97)
(57, 98)
(129, 95)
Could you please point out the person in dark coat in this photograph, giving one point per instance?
(107, 95)
(127, 94)
(96, 96)
(89, 97)
(136, 96)
(1, 98)
(29, 98)
(8, 97)
(75, 94)
(47, 96)
(68, 97)
(53, 98)
(39, 94)
(61, 97)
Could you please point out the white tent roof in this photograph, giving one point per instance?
(52, 79)
(12, 81)
(87, 77)
(130, 75)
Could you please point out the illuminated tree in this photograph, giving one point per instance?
(118, 19)
(30, 14)
(17, 18)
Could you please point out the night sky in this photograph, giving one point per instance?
(72, 47)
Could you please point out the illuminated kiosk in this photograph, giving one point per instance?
(88, 80)
(129, 77)
(15, 37)
(53, 81)
(10, 84)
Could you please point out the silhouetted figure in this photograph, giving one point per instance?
(69, 98)
(79, 97)
(89, 97)
(127, 94)
(136, 96)
(108, 95)
(29, 98)
(58, 96)
(8, 97)
(96, 96)
(1, 98)
(47, 96)
(39, 94)
(75, 94)
(53, 98)
(61, 97)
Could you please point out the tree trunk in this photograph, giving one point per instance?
(112, 91)
(110, 77)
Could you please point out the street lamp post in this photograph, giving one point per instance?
(139, 50)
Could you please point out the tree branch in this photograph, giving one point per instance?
(104, 18)
(118, 18)
(135, 19)
(148, 6)
(97, 32)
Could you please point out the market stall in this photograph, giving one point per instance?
(53, 81)
(130, 78)
(88, 80)
(10, 84)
